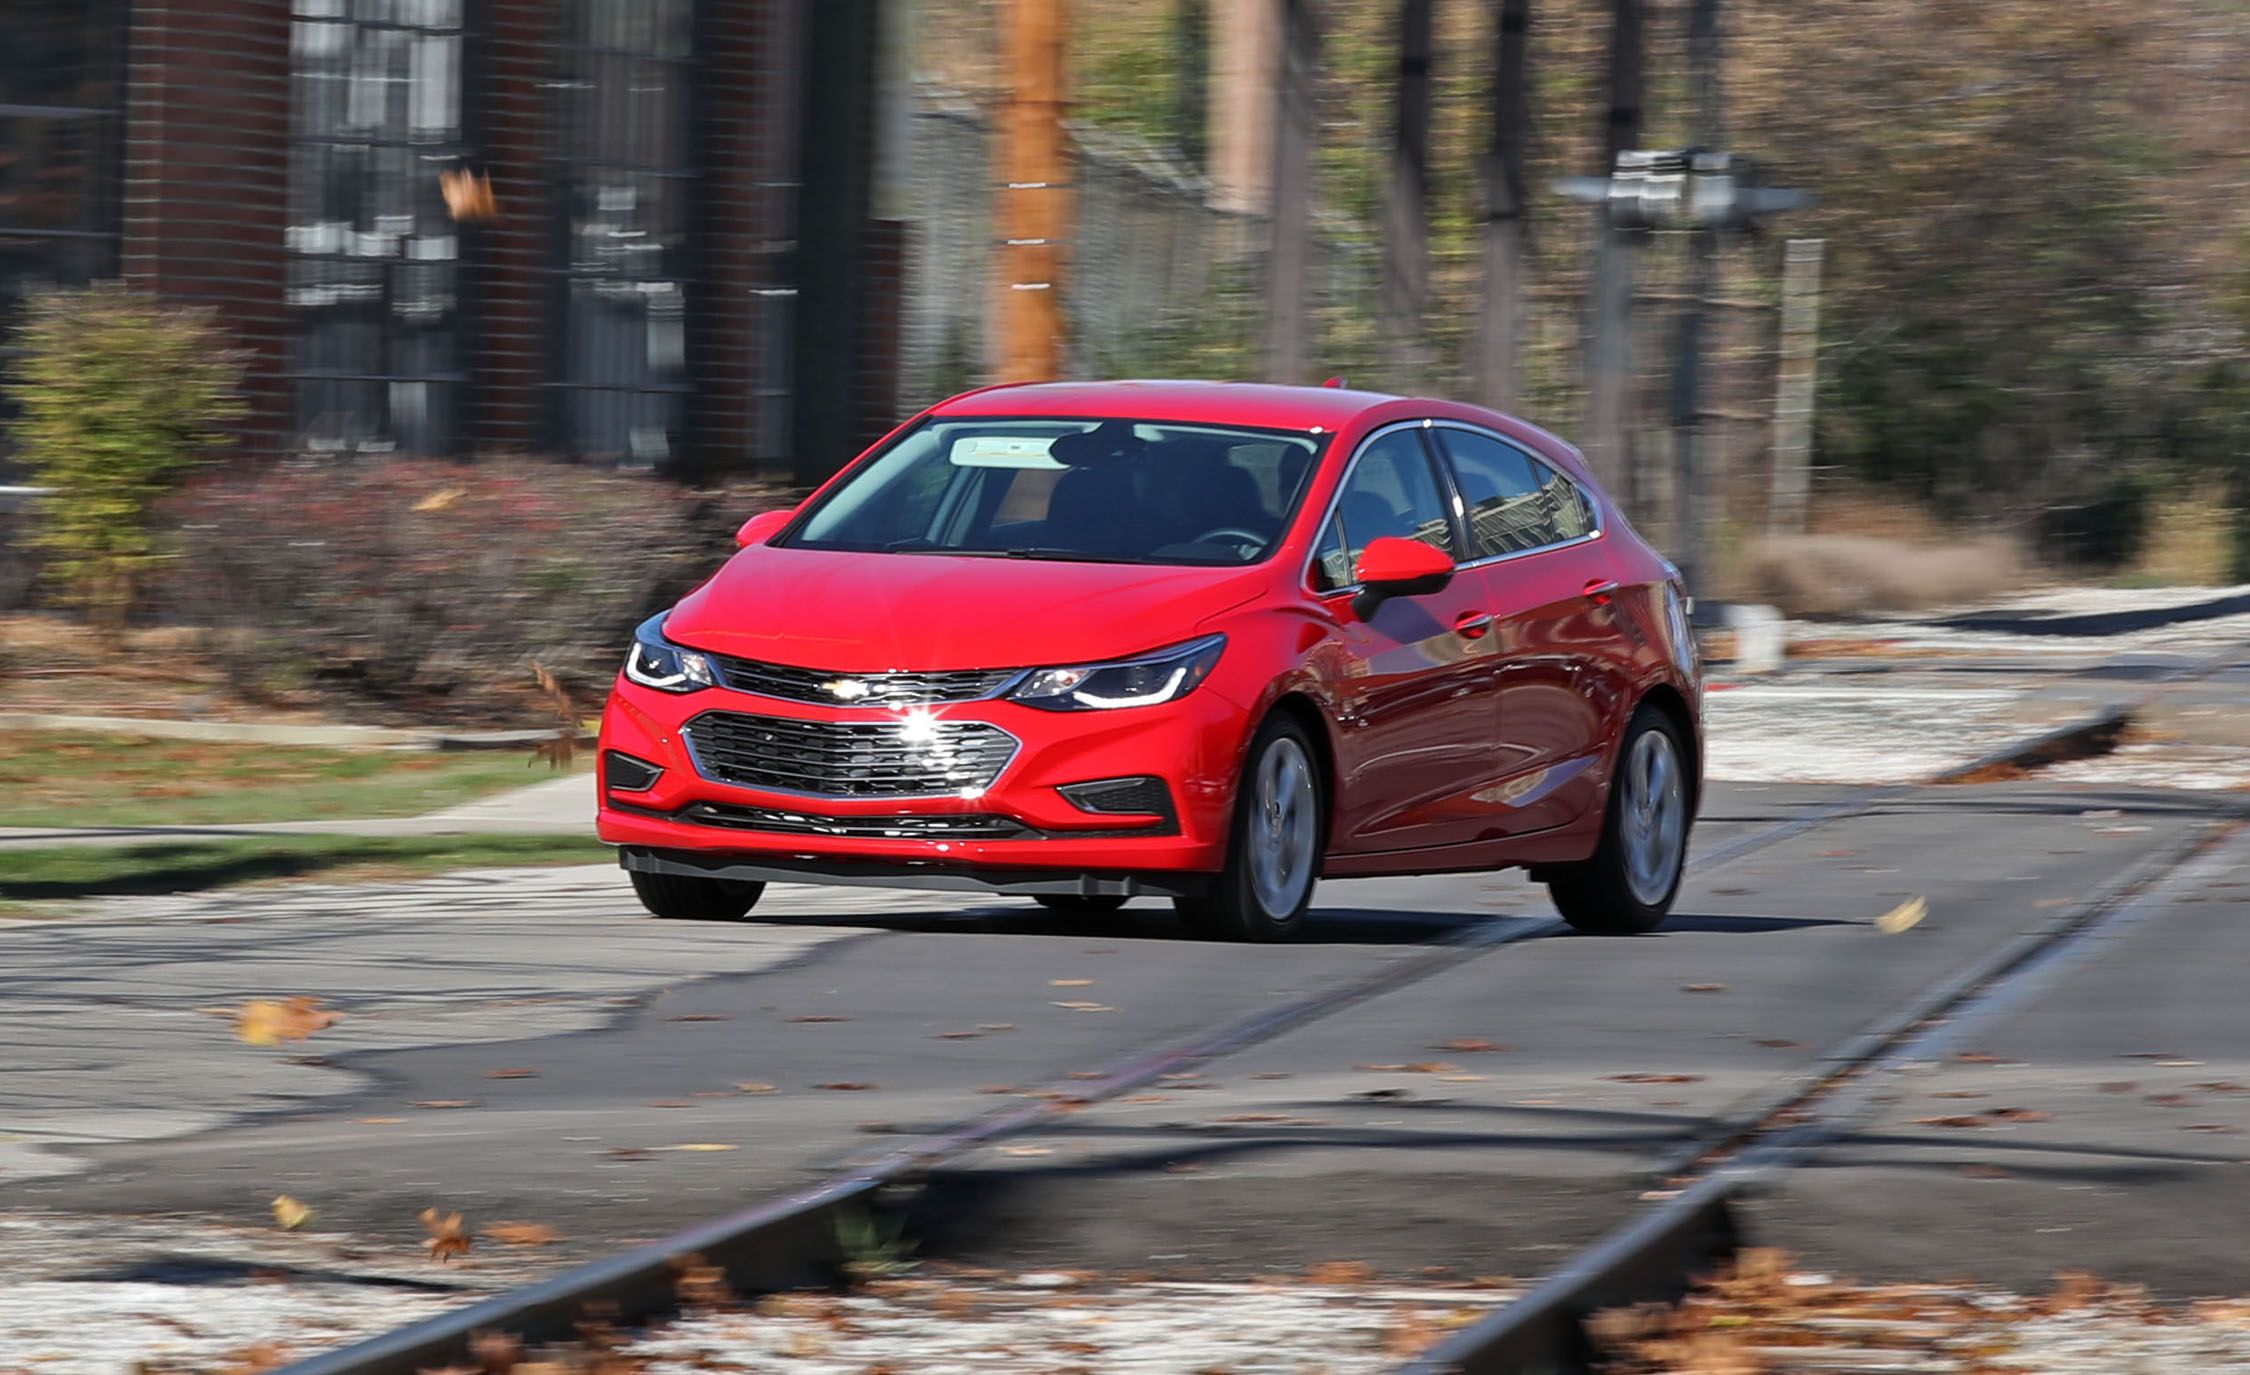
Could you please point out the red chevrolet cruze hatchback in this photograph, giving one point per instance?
(1206, 641)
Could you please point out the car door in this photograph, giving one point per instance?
(1530, 547)
(1412, 681)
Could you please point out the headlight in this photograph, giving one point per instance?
(1142, 682)
(658, 663)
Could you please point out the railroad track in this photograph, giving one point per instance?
(794, 1238)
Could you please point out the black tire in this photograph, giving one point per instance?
(1604, 896)
(681, 897)
(1077, 905)
(1238, 908)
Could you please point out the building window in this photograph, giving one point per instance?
(61, 99)
(374, 268)
(625, 183)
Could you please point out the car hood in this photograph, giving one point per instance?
(866, 613)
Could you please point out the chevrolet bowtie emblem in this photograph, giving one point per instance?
(846, 689)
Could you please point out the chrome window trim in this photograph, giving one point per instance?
(1443, 464)
(1460, 511)
(695, 757)
(1336, 498)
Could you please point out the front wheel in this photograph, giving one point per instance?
(1274, 859)
(683, 897)
(1628, 886)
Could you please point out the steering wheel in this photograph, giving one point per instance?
(1234, 533)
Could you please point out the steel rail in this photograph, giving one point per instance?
(1656, 1254)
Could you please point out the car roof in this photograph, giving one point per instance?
(1216, 403)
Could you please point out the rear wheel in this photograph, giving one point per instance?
(682, 897)
(1628, 886)
(1274, 860)
(1074, 905)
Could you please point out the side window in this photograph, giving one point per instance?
(1392, 490)
(1508, 510)
(1574, 513)
(1332, 562)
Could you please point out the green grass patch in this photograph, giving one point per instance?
(36, 877)
(68, 778)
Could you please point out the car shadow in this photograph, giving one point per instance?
(1150, 920)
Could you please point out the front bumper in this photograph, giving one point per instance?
(1020, 829)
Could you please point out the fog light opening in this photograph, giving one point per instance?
(1120, 797)
(623, 773)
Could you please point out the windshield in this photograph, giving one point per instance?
(1080, 491)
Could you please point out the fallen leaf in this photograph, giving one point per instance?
(1432, 1067)
(1776, 1044)
(1834, 854)
(1086, 1074)
(511, 1074)
(956, 1035)
(2220, 1086)
(262, 1022)
(1146, 1098)
(1086, 1007)
(820, 1017)
(289, 1214)
(1027, 1150)
(1341, 1272)
(1960, 1093)
(1978, 1057)
(444, 1103)
(996, 1088)
(2179, 1064)
(753, 1086)
(996, 1026)
(447, 1236)
(1977, 1171)
(1382, 1095)
(1382, 1069)
(626, 1153)
(1903, 917)
(522, 1233)
(844, 1086)
(1962, 1122)
(2118, 1086)
(2219, 1127)
(700, 1146)
(1462, 1078)
(377, 1121)
(1068, 983)
(1274, 1074)
(2168, 1100)
(700, 1017)
(1703, 988)
(1469, 1045)
(2017, 1115)
(1655, 1078)
(671, 1103)
(2150, 1055)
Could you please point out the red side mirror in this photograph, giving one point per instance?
(1398, 566)
(761, 527)
(1395, 567)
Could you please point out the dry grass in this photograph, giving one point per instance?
(2190, 540)
(1840, 575)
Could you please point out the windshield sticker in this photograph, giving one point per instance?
(1003, 451)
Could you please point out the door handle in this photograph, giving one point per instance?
(1472, 625)
(1599, 590)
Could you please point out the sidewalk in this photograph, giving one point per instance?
(558, 806)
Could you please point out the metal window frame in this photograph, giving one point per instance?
(467, 31)
(687, 168)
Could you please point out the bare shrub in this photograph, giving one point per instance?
(423, 589)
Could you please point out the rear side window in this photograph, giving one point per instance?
(1514, 502)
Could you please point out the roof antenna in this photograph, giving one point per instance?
(1333, 382)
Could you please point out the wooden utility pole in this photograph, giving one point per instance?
(1609, 371)
(1033, 179)
(1288, 320)
(1498, 382)
(1244, 104)
(1793, 390)
(1692, 464)
(1406, 212)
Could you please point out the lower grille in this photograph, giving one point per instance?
(916, 758)
(771, 820)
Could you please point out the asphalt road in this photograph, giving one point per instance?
(1383, 1134)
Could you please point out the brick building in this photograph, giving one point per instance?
(681, 270)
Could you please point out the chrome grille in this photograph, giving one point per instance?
(830, 688)
(919, 758)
